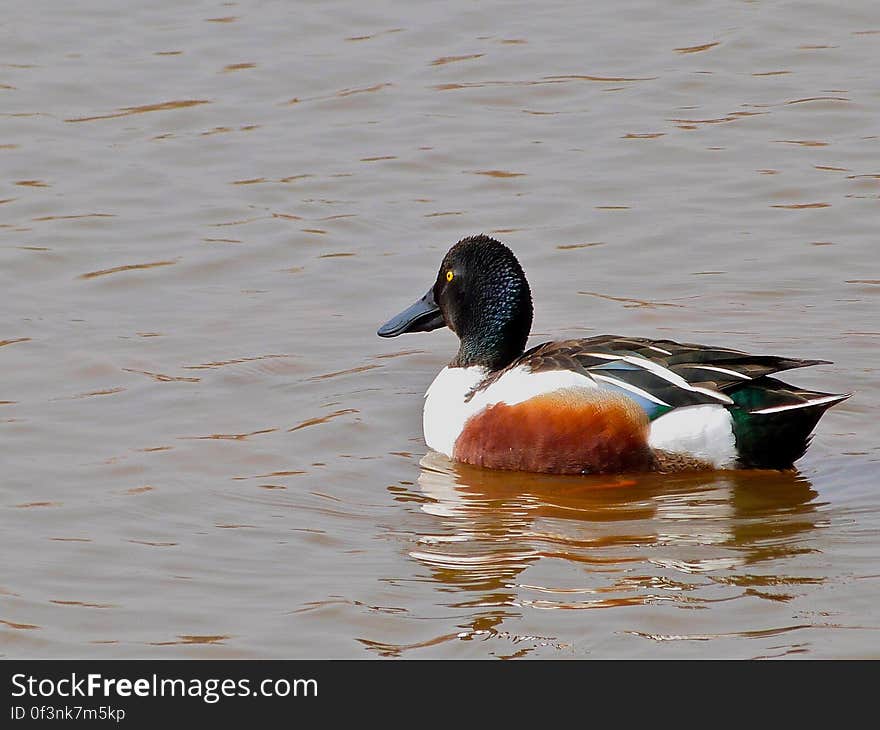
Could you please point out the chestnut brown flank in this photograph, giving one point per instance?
(569, 431)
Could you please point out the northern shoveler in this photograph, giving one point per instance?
(596, 405)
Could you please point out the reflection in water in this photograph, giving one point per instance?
(508, 539)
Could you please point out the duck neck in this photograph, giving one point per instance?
(497, 339)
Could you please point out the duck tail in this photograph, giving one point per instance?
(773, 421)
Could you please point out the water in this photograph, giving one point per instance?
(208, 208)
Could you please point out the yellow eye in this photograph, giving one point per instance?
(449, 276)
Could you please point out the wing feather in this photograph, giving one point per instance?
(664, 372)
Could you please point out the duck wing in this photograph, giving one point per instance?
(663, 375)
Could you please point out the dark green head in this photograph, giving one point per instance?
(482, 295)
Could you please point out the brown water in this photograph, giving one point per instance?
(208, 208)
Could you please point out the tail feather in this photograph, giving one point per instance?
(773, 421)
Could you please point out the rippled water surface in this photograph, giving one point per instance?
(207, 208)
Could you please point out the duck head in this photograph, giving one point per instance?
(482, 295)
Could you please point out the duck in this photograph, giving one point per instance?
(597, 405)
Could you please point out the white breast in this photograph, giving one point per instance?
(446, 411)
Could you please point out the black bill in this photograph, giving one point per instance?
(423, 316)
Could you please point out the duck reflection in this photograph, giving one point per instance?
(556, 542)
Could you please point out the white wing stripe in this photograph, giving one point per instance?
(712, 393)
(631, 388)
(660, 372)
(725, 371)
(814, 402)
